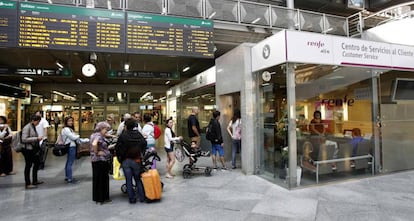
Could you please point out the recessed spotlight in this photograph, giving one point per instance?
(125, 81)
(167, 82)
(79, 80)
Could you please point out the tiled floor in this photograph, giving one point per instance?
(226, 195)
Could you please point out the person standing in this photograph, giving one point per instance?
(100, 167)
(316, 126)
(169, 140)
(69, 136)
(137, 117)
(194, 127)
(41, 129)
(217, 141)
(121, 126)
(234, 129)
(6, 157)
(129, 149)
(148, 132)
(56, 122)
(31, 139)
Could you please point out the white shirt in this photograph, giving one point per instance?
(40, 128)
(168, 138)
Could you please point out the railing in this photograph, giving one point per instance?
(364, 20)
(237, 12)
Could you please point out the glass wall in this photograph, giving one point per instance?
(342, 97)
(204, 99)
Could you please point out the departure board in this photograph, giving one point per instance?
(8, 23)
(167, 35)
(70, 28)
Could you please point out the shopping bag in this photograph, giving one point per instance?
(118, 173)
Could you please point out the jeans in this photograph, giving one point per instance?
(133, 170)
(69, 162)
(235, 147)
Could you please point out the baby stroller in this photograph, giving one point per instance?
(149, 159)
(193, 153)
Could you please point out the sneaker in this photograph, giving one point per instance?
(2, 175)
(352, 165)
(233, 167)
(38, 183)
(334, 167)
(73, 181)
(224, 168)
(12, 173)
(169, 176)
(132, 201)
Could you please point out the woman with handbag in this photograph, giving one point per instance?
(69, 136)
(31, 151)
(100, 166)
(234, 129)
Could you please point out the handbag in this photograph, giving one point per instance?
(60, 149)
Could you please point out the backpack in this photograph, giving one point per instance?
(157, 131)
(209, 132)
(17, 143)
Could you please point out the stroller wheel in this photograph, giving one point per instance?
(186, 173)
(124, 188)
(207, 171)
(187, 166)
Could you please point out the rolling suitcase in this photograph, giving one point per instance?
(152, 184)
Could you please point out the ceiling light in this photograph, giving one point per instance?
(167, 82)
(79, 80)
(59, 64)
(35, 95)
(145, 95)
(212, 15)
(327, 30)
(92, 95)
(256, 20)
(65, 96)
(125, 81)
(186, 69)
(50, 1)
(28, 79)
(126, 66)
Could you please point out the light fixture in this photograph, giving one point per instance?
(186, 69)
(256, 20)
(35, 95)
(50, 1)
(59, 64)
(126, 66)
(92, 95)
(212, 15)
(167, 82)
(28, 79)
(64, 95)
(145, 95)
(125, 81)
(79, 80)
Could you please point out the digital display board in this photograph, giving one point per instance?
(8, 23)
(167, 35)
(70, 28)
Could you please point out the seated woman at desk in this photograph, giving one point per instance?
(356, 138)
(316, 127)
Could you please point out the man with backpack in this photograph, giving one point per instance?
(216, 139)
(129, 150)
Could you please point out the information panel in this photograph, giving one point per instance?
(166, 35)
(8, 23)
(70, 28)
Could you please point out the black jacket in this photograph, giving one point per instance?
(216, 132)
(130, 145)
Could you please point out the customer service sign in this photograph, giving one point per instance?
(328, 49)
(305, 47)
